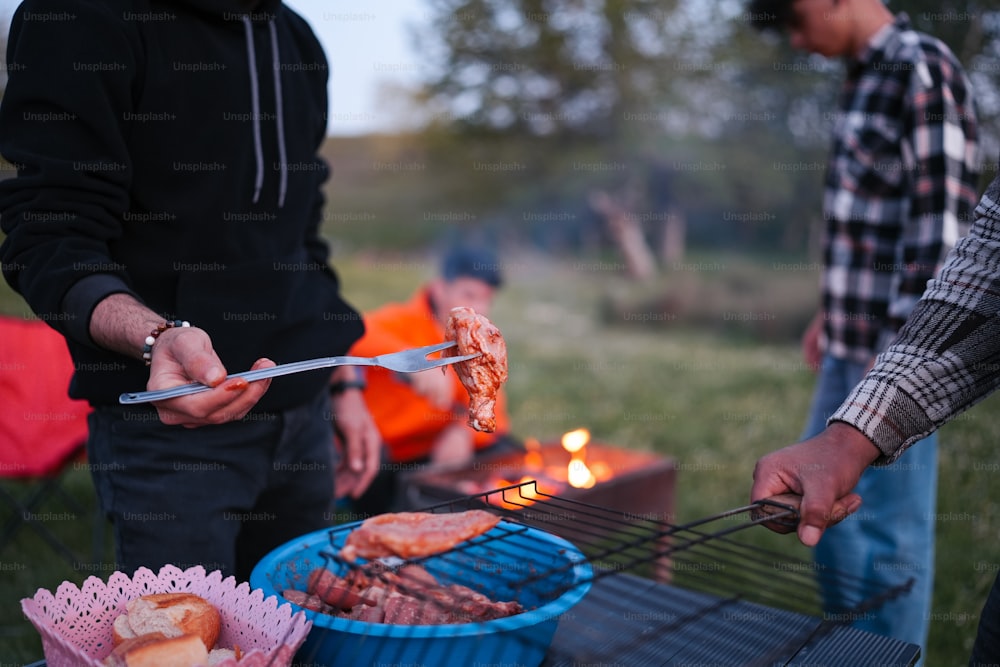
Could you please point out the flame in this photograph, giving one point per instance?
(539, 469)
(578, 474)
(516, 498)
(576, 440)
(530, 491)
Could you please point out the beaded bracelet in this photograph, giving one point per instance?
(147, 349)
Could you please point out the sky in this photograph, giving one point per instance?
(367, 46)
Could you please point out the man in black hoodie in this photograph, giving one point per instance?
(168, 172)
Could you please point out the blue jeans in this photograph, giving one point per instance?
(891, 538)
(217, 496)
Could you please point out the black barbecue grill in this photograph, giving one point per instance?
(727, 602)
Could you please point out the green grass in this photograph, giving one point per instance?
(697, 386)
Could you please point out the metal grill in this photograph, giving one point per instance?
(728, 601)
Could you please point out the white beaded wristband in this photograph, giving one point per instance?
(147, 349)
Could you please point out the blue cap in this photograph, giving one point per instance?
(480, 263)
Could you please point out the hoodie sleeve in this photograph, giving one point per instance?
(71, 83)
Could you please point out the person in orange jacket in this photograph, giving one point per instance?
(422, 417)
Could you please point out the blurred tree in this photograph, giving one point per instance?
(676, 107)
(584, 77)
(602, 68)
(571, 68)
(594, 97)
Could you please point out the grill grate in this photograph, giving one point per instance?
(703, 554)
(727, 601)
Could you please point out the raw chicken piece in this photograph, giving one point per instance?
(414, 534)
(483, 375)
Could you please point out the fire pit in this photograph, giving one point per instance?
(638, 484)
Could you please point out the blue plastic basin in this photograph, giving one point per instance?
(544, 573)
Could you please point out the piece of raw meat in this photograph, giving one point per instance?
(334, 591)
(308, 601)
(460, 604)
(408, 596)
(414, 534)
(482, 376)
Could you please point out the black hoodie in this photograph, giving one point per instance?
(170, 150)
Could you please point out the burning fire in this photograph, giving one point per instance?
(527, 494)
(576, 440)
(547, 477)
(578, 474)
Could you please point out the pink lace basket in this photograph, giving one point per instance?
(75, 623)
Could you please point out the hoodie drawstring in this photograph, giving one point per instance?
(279, 113)
(255, 110)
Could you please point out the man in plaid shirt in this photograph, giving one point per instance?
(901, 185)
(945, 360)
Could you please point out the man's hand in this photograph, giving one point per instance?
(454, 447)
(180, 355)
(812, 352)
(823, 470)
(183, 355)
(435, 385)
(359, 441)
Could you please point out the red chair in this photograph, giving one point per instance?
(42, 431)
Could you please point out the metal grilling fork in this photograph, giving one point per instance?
(407, 361)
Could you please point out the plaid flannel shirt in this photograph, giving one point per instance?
(947, 356)
(901, 185)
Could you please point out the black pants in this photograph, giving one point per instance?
(986, 650)
(217, 496)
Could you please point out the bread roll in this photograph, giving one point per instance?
(121, 631)
(172, 614)
(220, 655)
(156, 650)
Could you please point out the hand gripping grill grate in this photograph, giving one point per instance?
(641, 592)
